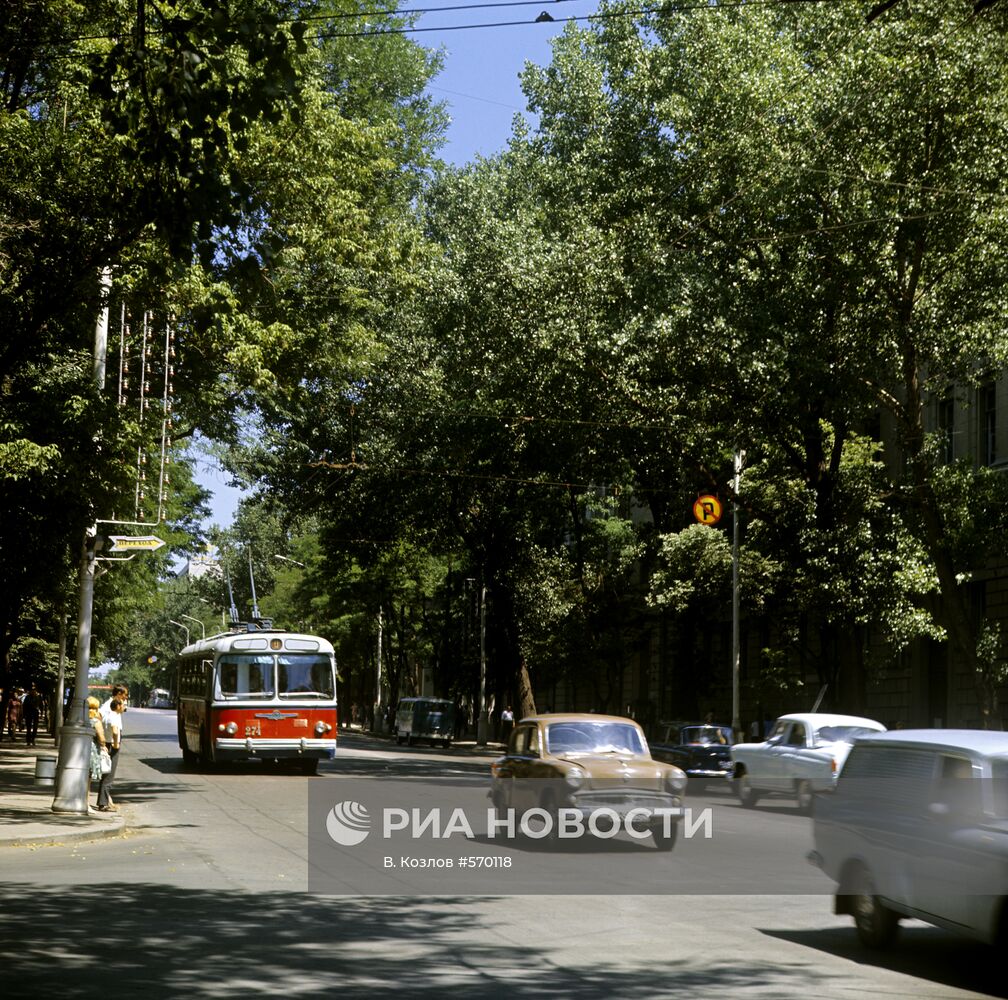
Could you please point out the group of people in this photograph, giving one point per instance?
(105, 719)
(23, 710)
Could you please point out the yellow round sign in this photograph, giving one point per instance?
(707, 509)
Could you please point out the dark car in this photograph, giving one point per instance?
(700, 749)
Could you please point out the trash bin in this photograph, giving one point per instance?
(45, 771)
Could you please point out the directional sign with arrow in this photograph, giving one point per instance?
(135, 543)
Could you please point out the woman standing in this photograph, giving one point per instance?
(97, 740)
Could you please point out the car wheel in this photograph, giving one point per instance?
(446, 744)
(400, 740)
(747, 795)
(876, 924)
(409, 740)
(309, 765)
(803, 792)
(662, 842)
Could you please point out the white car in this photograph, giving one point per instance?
(803, 754)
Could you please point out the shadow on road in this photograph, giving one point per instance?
(160, 941)
(921, 951)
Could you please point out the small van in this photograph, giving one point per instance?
(425, 719)
(918, 827)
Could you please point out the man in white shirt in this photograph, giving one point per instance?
(111, 713)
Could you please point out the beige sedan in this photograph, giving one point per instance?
(587, 773)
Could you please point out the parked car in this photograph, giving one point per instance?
(700, 749)
(587, 762)
(803, 755)
(425, 719)
(918, 827)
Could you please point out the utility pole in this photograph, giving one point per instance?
(483, 725)
(736, 657)
(73, 770)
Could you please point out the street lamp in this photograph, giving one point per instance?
(287, 559)
(201, 625)
(185, 628)
(209, 605)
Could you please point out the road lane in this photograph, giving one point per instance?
(207, 897)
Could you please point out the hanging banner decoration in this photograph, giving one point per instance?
(707, 509)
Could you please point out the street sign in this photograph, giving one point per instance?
(707, 509)
(135, 543)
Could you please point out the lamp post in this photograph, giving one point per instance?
(185, 628)
(73, 767)
(736, 658)
(198, 622)
(223, 622)
(289, 560)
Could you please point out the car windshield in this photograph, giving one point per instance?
(304, 676)
(841, 734)
(593, 737)
(706, 735)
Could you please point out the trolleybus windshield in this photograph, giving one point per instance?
(241, 675)
(303, 675)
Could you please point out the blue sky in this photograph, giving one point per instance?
(479, 85)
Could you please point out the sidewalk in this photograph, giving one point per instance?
(26, 816)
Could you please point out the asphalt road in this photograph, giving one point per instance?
(214, 893)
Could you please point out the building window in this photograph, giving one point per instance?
(946, 426)
(988, 423)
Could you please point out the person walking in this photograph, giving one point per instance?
(12, 715)
(110, 721)
(31, 709)
(507, 724)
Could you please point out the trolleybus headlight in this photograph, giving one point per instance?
(321, 728)
(231, 728)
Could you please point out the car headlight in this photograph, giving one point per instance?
(321, 728)
(231, 728)
(574, 778)
(675, 781)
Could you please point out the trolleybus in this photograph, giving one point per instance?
(257, 693)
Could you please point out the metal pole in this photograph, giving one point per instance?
(483, 726)
(736, 708)
(379, 722)
(57, 718)
(101, 327)
(73, 770)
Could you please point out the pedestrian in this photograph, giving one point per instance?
(12, 713)
(31, 709)
(98, 744)
(507, 724)
(111, 723)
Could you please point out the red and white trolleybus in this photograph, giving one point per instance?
(257, 693)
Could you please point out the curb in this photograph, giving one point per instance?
(52, 839)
